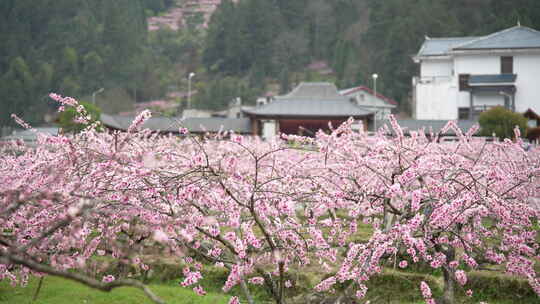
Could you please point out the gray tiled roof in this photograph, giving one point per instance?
(172, 124)
(514, 37)
(441, 46)
(435, 125)
(314, 90)
(31, 135)
(319, 99)
(495, 78)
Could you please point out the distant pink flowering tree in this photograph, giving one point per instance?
(454, 206)
(263, 209)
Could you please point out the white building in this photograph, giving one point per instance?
(377, 103)
(462, 76)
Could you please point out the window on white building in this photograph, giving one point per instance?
(464, 82)
(507, 65)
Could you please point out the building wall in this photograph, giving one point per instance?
(435, 100)
(380, 112)
(436, 91)
(436, 68)
(477, 64)
(527, 68)
(269, 129)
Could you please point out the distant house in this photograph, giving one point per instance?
(305, 110)
(377, 103)
(463, 76)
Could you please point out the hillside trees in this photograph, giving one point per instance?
(321, 27)
(71, 46)
(240, 37)
(79, 46)
(218, 94)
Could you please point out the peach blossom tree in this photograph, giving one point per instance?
(264, 209)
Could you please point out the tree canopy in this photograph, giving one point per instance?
(265, 210)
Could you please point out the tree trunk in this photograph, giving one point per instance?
(246, 291)
(38, 289)
(449, 287)
(449, 291)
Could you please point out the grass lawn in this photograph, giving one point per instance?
(389, 287)
(60, 291)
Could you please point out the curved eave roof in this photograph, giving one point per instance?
(309, 108)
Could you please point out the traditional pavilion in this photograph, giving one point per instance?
(307, 109)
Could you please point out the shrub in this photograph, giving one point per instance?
(67, 120)
(501, 122)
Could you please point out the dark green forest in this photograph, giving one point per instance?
(75, 47)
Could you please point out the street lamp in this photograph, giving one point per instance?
(189, 89)
(375, 76)
(94, 95)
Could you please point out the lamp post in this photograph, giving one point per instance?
(94, 95)
(189, 89)
(375, 76)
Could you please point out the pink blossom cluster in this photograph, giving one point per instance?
(139, 120)
(426, 293)
(256, 280)
(191, 277)
(234, 300)
(83, 117)
(199, 290)
(461, 277)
